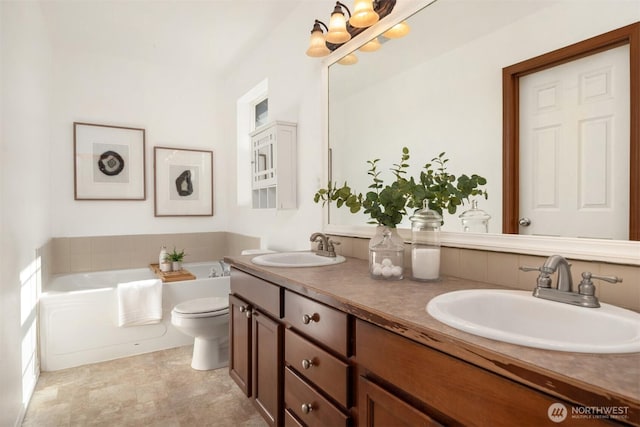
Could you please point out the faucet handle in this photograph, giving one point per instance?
(611, 279)
(586, 286)
(332, 243)
(543, 281)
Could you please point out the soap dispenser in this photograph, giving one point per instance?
(162, 260)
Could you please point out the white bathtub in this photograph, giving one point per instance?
(79, 316)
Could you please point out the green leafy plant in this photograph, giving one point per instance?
(443, 190)
(175, 256)
(387, 204)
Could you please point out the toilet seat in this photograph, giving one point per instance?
(202, 307)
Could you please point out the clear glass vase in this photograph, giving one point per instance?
(386, 254)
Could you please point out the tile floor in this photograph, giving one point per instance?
(155, 389)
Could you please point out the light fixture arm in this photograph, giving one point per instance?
(317, 23)
(337, 8)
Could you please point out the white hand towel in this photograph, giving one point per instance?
(140, 302)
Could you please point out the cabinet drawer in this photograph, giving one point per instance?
(324, 370)
(318, 321)
(467, 393)
(308, 405)
(261, 293)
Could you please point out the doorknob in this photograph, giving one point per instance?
(525, 222)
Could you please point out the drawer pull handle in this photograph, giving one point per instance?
(245, 309)
(306, 319)
(307, 407)
(307, 363)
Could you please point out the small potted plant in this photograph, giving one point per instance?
(176, 259)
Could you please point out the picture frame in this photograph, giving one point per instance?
(109, 162)
(183, 182)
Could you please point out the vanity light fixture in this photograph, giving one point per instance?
(317, 44)
(349, 59)
(341, 30)
(337, 32)
(363, 14)
(399, 30)
(371, 46)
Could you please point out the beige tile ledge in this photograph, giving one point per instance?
(590, 379)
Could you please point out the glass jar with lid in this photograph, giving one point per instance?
(475, 220)
(386, 254)
(425, 244)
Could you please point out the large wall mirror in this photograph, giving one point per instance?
(439, 89)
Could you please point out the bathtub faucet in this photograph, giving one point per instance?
(220, 269)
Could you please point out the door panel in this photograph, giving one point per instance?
(574, 150)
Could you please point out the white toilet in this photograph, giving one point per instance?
(207, 320)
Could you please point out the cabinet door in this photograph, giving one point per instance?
(267, 367)
(240, 343)
(379, 408)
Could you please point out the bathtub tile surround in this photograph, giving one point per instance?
(157, 389)
(501, 268)
(95, 253)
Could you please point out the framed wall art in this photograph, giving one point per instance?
(183, 183)
(109, 162)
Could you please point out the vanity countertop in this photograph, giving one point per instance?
(592, 379)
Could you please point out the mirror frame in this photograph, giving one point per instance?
(614, 251)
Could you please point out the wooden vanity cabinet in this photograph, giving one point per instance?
(317, 372)
(256, 339)
(402, 382)
(380, 408)
(305, 363)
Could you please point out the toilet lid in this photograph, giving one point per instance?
(202, 305)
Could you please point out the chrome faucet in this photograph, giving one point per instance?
(563, 292)
(559, 264)
(325, 245)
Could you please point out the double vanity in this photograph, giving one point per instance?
(329, 346)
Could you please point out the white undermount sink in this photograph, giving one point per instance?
(296, 259)
(520, 318)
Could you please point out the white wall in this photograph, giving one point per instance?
(295, 95)
(176, 104)
(24, 194)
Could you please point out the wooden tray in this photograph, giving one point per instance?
(171, 276)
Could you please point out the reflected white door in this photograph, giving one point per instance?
(574, 148)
